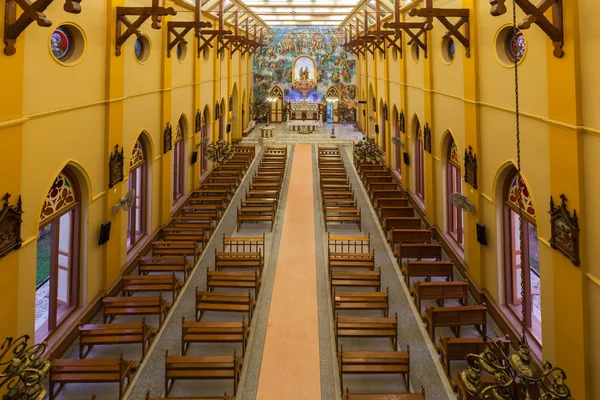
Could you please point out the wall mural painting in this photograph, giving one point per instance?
(304, 61)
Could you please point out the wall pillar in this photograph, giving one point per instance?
(166, 172)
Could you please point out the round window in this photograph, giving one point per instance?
(67, 44)
(141, 49)
(181, 50)
(448, 49)
(414, 51)
(511, 45)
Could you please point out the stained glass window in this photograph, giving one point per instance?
(139, 49)
(451, 49)
(61, 43)
(515, 45)
(60, 196)
(454, 156)
(179, 132)
(137, 156)
(526, 201)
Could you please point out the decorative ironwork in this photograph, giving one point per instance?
(513, 373)
(167, 138)
(198, 125)
(471, 167)
(565, 230)
(60, 196)
(427, 138)
(10, 228)
(24, 369)
(115, 167)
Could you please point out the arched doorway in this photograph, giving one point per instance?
(58, 246)
(204, 139)
(382, 125)
(332, 97)
(138, 181)
(276, 107)
(454, 215)
(235, 121)
(397, 142)
(222, 133)
(179, 158)
(371, 111)
(419, 157)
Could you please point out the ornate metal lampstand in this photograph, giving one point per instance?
(516, 375)
(24, 371)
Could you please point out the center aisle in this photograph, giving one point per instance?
(290, 366)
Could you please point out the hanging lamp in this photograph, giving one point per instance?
(516, 375)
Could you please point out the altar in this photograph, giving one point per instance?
(305, 126)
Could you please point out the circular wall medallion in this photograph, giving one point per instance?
(141, 49)
(67, 44)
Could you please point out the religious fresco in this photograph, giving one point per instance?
(274, 64)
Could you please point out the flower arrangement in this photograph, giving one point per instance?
(369, 152)
(219, 151)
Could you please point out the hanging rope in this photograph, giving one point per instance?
(524, 305)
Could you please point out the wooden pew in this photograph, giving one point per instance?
(238, 260)
(224, 302)
(256, 214)
(213, 332)
(375, 187)
(354, 279)
(375, 362)
(91, 335)
(400, 223)
(341, 215)
(377, 177)
(352, 260)
(384, 396)
(177, 248)
(362, 301)
(244, 244)
(427, 270)
(396, 211)
(404, 236)
(375, 194)
(419, 251)
(201, 367)
(361, 327)
(115, 370)
(187, 232)
(135, 305)
(391, 202)
(440, 291)
(150, 283)
(147, 264)
(339, 202)
(455, 317)
(229, 279)
(457, 349)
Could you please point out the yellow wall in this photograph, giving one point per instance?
(473, 99)
(62, 116)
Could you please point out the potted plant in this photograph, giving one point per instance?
(368, 152)
(219, 151)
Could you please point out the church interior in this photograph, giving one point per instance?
(299, 199)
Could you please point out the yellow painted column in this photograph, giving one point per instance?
(570, 297)
(11, 131)
(197, 104)
(115, 248)
(386, 100)
(472, 249)
(166, 191)
(430, 188)
(406, 142)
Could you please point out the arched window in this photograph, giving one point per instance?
(178, 160)
(222, 133)
(382, 132)
(204, 141)
(453, 185)
(138, 172)
(397, 143)
(515, 261)
(419, 161)
(57, 267)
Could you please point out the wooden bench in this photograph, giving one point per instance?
(457, 349)
(244, 244)
(229, 279)
(375, 177)
(339, 202)
(135, 305)
(455, 317)
(427, 270)
(224, 302)
(419, 251)
(354, 279)
(150, 283)
(213, 332)
(186, 232)
(361, 327)
(384, 396)
(440, 291)
(375, 194)
(91, 335)
(361, 301)
(374, 187)
(404, 236)
(391, 202)
(401, 223)
(256, 214)
(177, 248)
(341, 215)
(396, 211)
(352, 260)
(115, 370)
(147, 264)
(375, 362)
(260, 202)
(243, 260)
(328, 194)
(201, 367)
(274, 194)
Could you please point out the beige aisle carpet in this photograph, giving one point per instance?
(290, 366)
